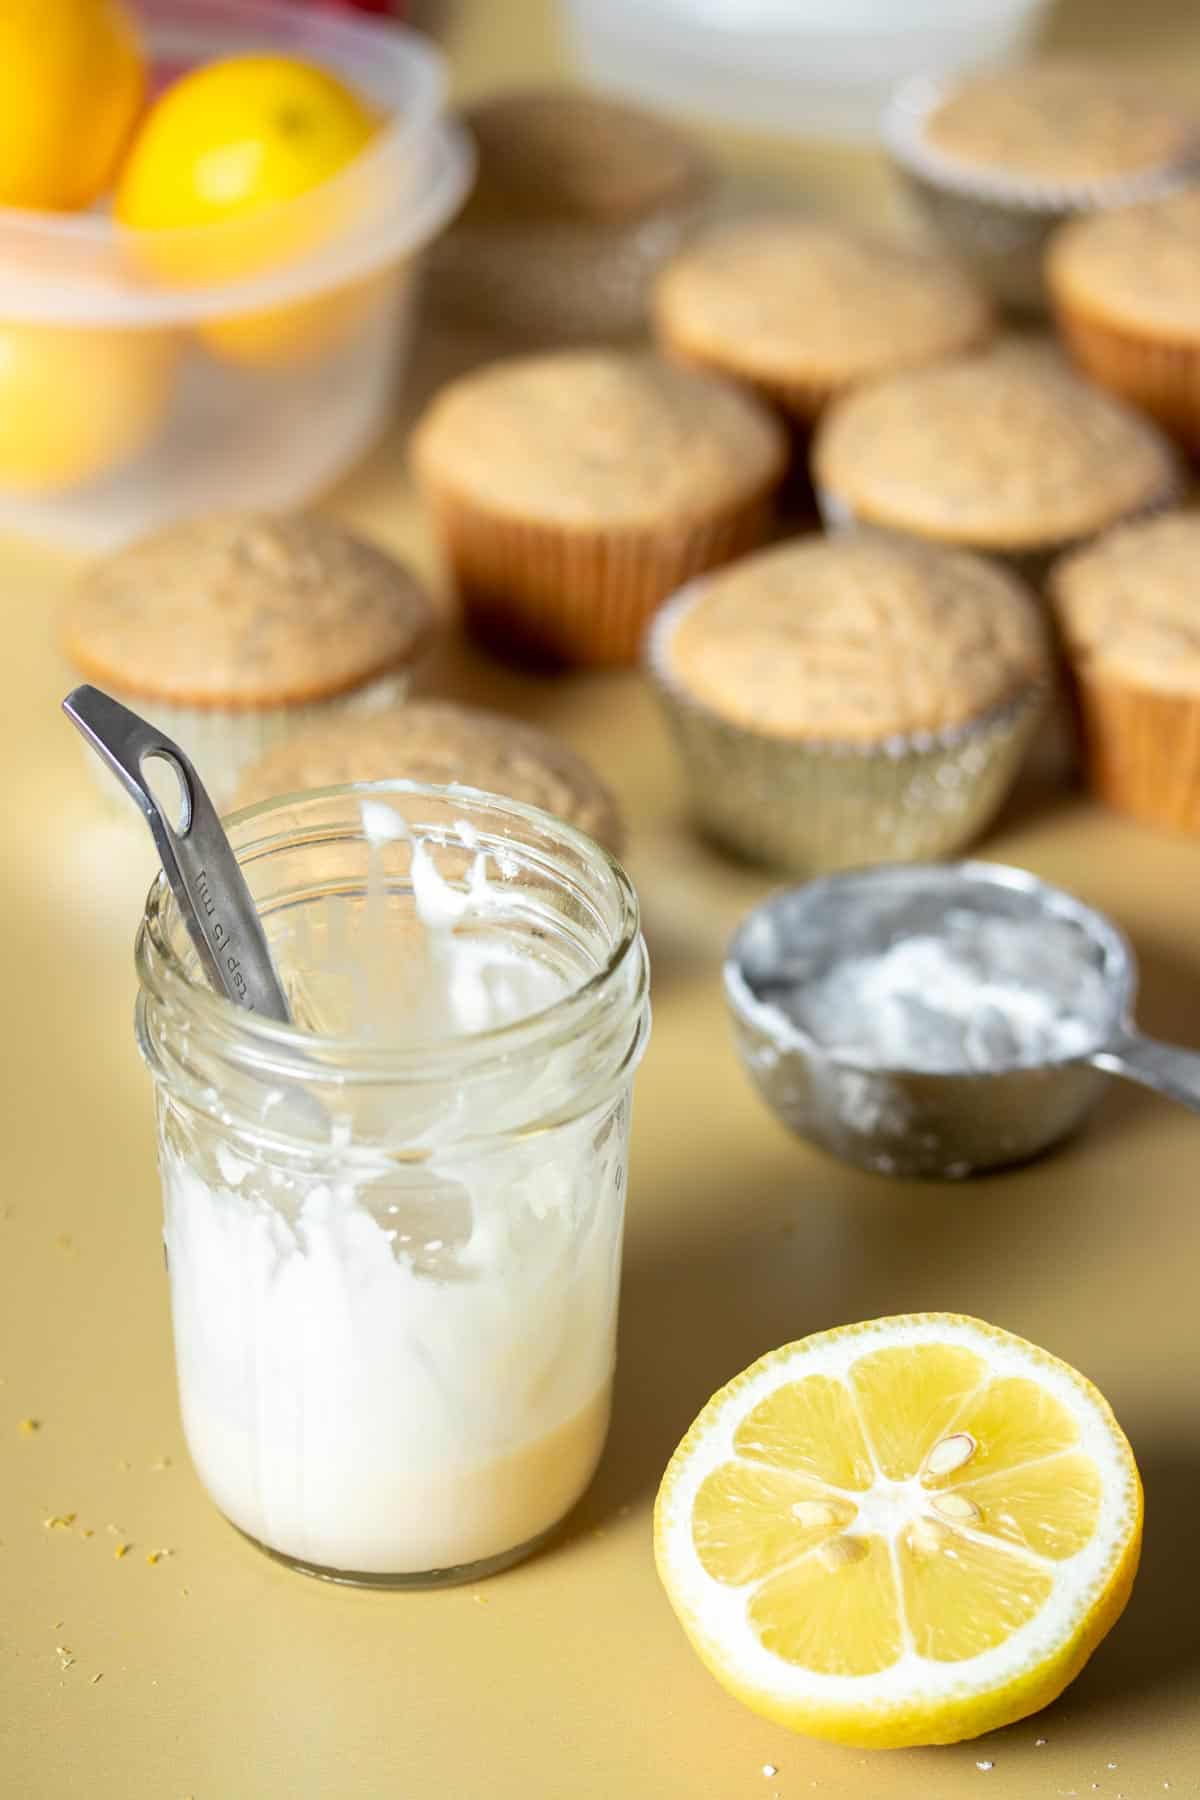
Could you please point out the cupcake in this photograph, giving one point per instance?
(1129, 613)
(1126, 293)
(998, 159)
(1007, 452)
(578, 201)
(229, 633)
(801, 309)
(435, 741)
(574, 492)
(850, 700)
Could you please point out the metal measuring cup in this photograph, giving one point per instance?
(899, 1121)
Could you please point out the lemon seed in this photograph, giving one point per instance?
(842, 1550)
(811, 1513)
(950, 1454)
(956, 1507)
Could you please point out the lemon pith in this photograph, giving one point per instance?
(908, 1531)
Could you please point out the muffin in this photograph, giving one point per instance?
(1008, 452)
(1126, 293)
(231, 632)
(436, 741)
(573, 492)
(801, 309)
(578, 200)
(1129, 613)
(998, 159)
(850, 700)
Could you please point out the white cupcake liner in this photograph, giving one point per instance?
(222, 742)
(817, 805)
(996, 222)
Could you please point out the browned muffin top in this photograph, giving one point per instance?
(1137, 266)
(808, 300)
(1065, 121)
(566, 153)
(435, 741)
(1129, 604)
(856, 639)
(594, 438)
(1005, 450)
(244, 611)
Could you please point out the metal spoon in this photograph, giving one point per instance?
(197, 857)
(900, 1121)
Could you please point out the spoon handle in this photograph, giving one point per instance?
(1164, 1067)
(197, 857)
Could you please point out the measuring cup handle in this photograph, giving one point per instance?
(1166, 1068)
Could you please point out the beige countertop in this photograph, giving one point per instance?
(217, 1674)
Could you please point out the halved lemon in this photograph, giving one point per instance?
(908, 1531)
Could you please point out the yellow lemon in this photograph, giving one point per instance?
(279, 337)
(76, 403)
(230, 146)
(909, 1531)
(72, 82)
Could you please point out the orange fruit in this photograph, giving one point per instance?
(72, 82)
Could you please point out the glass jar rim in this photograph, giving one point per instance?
(271, 1047)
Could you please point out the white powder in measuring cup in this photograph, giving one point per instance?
(985, 993)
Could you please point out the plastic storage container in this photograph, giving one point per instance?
(811, 68)
(144, 377)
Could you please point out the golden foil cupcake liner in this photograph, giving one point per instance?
(1156, 375)
(1142, 750)
(223, 741)
(810, 807)
(557, 282)
(998, 224)
(568, 594)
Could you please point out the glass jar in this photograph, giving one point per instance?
(394, 1248)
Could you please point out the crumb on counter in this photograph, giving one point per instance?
(28, 1426)
(121, 1550)
(60, 1521)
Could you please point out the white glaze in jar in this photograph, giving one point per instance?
(395, 1327)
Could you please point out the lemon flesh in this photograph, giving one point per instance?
(904, 1532)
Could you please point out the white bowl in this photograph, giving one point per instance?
(179, 424)
(811, 68)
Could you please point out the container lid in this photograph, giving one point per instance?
(82, 269)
